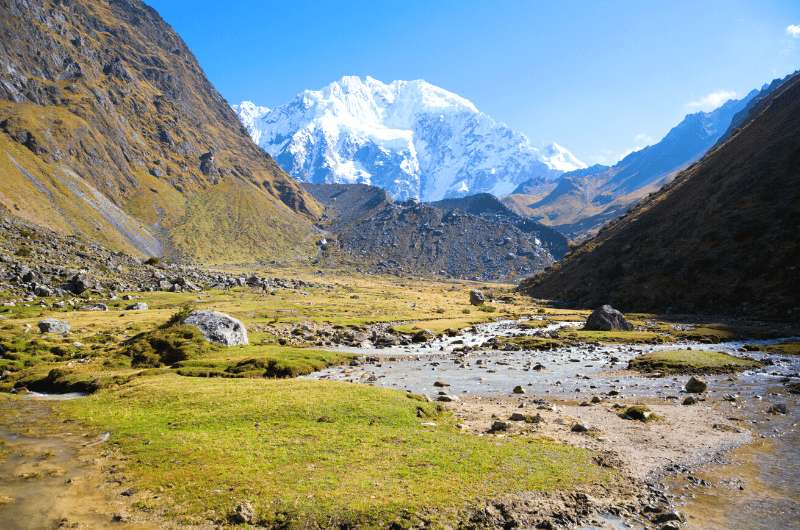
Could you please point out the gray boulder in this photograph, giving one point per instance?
(476, 297)
(219, 327)
(94, 307)
(606, 318)
(695, 385)
(138, 306)
(53, 325)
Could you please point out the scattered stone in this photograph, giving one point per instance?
(447, 398)
(606, 318)
(518, 389)
(243, 514)
(777, 408)
(53, 325)
(696, 386)
(219, 327)
(138, 306)
(94, 307)
(579, 427)
(499, 426)
(689, 400)
(440, 384)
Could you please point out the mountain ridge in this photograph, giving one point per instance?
(582, 200)
(719, 238)
(412, 138)
(109, 128)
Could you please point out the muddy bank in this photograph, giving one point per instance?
(57, 475)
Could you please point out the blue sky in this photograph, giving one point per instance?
(599, 77)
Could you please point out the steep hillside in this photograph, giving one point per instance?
(109, 128)
(372, 233)
(411, 138)
(722, 237)
(584, 199)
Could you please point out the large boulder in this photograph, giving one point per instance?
(607, 318)
(53, 325)
(695, 385)
(476, 297)
(218, 327)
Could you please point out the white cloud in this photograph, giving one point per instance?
(711, 101)
(609, 158)
(793, 30)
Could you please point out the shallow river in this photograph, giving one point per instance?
(755, 487)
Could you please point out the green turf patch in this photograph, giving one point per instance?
(784, 348)
(316, 453)
(691, 362)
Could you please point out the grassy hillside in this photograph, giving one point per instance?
(721, 238)
(109, 128)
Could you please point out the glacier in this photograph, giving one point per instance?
(411, 138)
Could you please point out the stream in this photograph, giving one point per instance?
(753, 487)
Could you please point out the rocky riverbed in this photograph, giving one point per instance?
(550, 392)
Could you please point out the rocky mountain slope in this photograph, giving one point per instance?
(108, 128)
(721, 237)
(411, 138)
(372, 233)
(584, 199)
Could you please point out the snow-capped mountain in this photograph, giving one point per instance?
(411, 138)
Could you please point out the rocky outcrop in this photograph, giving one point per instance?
(372, 233)
(218, 327)
(606, 318)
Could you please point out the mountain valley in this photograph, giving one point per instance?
(376, 306)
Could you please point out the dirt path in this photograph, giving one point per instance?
(52, 476)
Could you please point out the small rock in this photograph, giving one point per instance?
(689, 400)
(243, 513)
(518, 390)
(499, 426)
(138, 306)
(777, 408)
(94, 307)
(579, 427)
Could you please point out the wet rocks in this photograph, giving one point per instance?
(476, 297)
(53, 325)
(518, 390)
(218, 327)
(606, 318)
(696, 386)
(499, 426)
(777, 408)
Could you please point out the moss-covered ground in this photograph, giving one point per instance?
(691, 362)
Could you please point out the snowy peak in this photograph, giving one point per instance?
(249, 113)
(411, 138)
(560, 158)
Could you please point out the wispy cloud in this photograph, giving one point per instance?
(609, 158)
(793, 30)
(711, 101)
